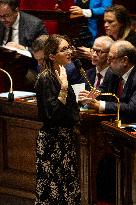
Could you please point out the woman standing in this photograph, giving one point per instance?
(57, 156)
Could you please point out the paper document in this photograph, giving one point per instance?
(78, 88)
(22, 52)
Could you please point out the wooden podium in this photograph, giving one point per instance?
(19, 127)
(124, 150)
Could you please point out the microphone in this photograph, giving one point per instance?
(117, 121)
(10, 94)
(78, 65)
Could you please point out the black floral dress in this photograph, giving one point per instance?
(58, 150)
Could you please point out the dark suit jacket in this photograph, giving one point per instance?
(30, 27)
(75, 77)
(127, 100)
(91, 73)
(110, 83)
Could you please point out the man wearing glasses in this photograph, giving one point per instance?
(18, 28)
(100, 69)
(99, 56)
(99, 53)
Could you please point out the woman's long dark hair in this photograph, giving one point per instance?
(51, 47)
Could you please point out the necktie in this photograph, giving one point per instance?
(120, 87)
(99, 77)
(9, 35)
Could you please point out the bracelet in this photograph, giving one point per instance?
(63, 94)
(63, 90)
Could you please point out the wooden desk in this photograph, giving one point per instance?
(19, 127)
(124, 148)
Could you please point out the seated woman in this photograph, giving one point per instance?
(117, 24)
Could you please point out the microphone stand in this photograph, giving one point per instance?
(78, 65)
(117, 121)
(83, 73)
(10, 94)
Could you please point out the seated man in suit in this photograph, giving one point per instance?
(99, 53)
(38, 52)
(18, 28)
(122, 61)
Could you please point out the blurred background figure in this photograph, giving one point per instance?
(133, 23)
(117, 24)
(18, 29)
(38, 52)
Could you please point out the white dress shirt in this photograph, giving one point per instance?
(15, 31)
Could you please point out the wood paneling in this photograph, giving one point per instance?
(17, 155)
(124, 145)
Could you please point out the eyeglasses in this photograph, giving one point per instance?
(6, 16)
(66, 49)
(111, 58)
(98, 51)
